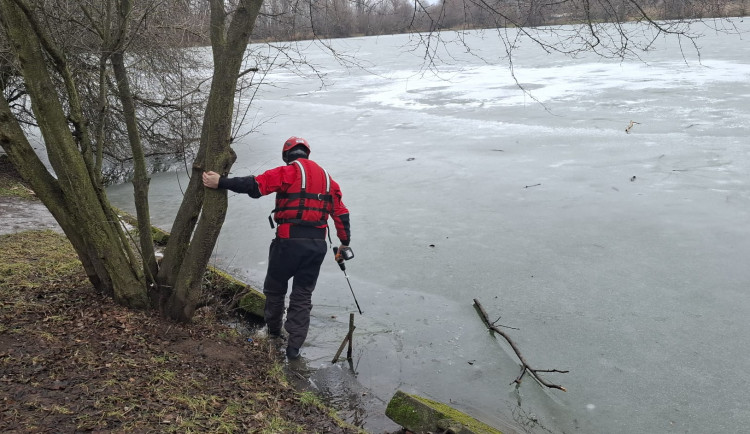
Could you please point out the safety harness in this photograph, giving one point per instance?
(325, 200)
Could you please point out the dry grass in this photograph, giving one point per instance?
(72, 360)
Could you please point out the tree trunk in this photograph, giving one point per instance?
(185, 263)
(141, 179)
(45, 186)
(73, 199)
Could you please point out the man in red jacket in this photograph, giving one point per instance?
(305, 197)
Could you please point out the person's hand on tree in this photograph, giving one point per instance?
(211, 179)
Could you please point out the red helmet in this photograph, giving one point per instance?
(293, 142)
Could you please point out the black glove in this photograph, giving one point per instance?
(343, 253)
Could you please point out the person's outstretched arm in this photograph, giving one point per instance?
(242, 184)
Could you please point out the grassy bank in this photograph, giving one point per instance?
(72, 360)
(10, 183)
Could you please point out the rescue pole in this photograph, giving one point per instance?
(343, 268)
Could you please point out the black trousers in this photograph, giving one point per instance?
(298, 259)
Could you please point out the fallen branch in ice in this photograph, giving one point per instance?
(525, 366)
(534, 185)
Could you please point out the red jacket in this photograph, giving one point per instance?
(311, 208)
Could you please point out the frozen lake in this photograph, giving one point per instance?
(621, 257)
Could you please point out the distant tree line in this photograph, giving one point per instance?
(283, 20)
(295, 19)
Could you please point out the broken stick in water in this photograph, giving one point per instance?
(348, 339)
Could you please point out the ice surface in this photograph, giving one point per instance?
(621, 257)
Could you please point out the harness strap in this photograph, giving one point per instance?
(307, 208)
(303, 175)
(301, 222)
(302, 195)
(292, 196)
(330, 197)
